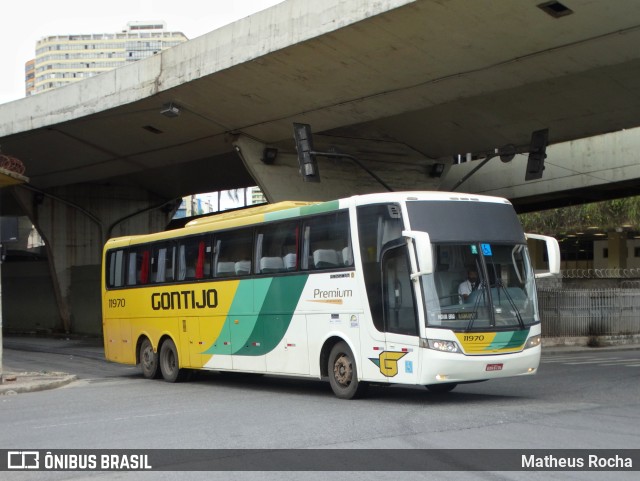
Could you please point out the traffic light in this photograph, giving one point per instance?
(306, 154)
(537, 154)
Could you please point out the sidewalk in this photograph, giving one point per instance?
(17, 381)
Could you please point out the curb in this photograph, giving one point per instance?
(32, 382)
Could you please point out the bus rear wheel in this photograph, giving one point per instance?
(148, 360)
(169, 363)
(343, 374)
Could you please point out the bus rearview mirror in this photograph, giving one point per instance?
(552, 250)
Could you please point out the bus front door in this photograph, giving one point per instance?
(399, 362)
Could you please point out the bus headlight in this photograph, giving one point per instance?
(533, 341)
(443, 346)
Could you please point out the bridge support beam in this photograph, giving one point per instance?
(281, 179)
(75, 221)
(594, 168)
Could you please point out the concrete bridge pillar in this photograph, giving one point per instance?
(75, 221)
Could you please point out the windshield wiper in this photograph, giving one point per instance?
(500, 285)
(476, 304)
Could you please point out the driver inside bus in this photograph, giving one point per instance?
(469, 285)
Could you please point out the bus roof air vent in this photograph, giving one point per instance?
(394, 211)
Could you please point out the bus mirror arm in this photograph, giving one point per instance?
(421, 257)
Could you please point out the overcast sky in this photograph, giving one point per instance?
(23, 23)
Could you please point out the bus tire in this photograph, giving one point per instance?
(441, 388)
(169, 362)
(343, 373)
(149, 360)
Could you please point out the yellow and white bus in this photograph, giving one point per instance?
(358, 290)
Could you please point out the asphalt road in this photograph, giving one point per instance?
(589, 399)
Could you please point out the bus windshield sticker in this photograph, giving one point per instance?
(474, 249)
(457, 316)
(486, 249)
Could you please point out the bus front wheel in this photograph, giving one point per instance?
(169, 364)
(343, 374)
(148, 360)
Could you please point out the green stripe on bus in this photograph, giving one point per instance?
(320, 208)
(277, 311)
(275, 314)
(509, 340)
(304, 210)
(272, 302)
(249, 295)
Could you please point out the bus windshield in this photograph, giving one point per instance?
(482, 276)
(481, 286)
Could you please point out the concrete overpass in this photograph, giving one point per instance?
(400, 84)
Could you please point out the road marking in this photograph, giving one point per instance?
(595, 361)
(598, 360)
(574, 359)
(620, 361)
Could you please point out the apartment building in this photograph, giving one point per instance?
(64, 59)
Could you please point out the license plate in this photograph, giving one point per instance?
(494, 367)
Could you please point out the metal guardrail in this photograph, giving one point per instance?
(589, 312)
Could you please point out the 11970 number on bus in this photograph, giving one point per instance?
(115, 303)
(473, 338)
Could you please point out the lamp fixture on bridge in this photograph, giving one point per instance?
(436, 170)
(269, 155)
(170, 110)
(555, 9)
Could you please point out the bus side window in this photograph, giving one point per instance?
(194, 258)
(138, 266)
(232, 253)
(326, 242)
(276, 248)
(117, 270)
(162, 263)
(131, 269)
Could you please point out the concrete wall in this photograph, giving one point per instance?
(86, 312)
(28, 300)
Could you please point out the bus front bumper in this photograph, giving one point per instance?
(443, 367)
